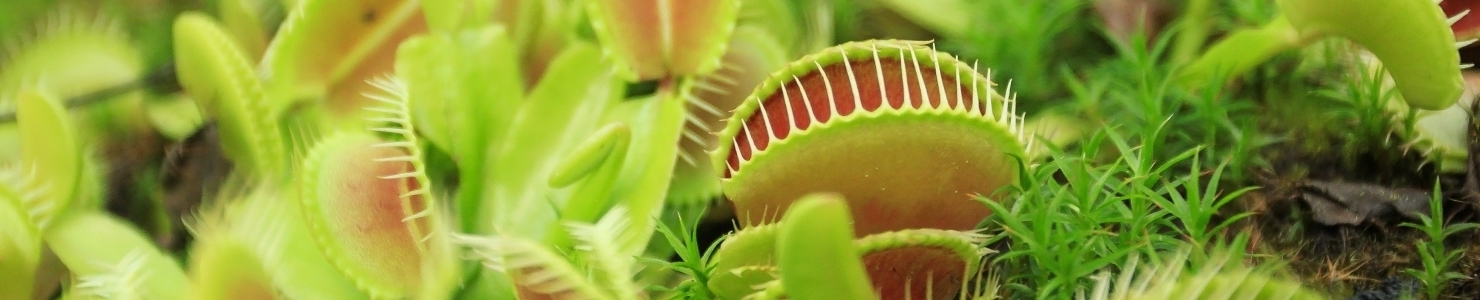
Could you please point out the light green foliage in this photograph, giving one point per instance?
(109, 259)
(218, 75)
(1241, 51)
(1411, 37)
(20, 247)
(70, 53)
(1222, 277)
(554, 118)
(599, 158)
(814, 246)
(1436, 258)
(594, 268)
(948, 18)
(746, 259)
(1026, 41)
(51, 157)
(610, 142)
(248, 22)
(465, 89)
(654, 39)
(1067, 231)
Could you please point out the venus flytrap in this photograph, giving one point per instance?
(215, 71)
(20, 246)
(285, 246)
(654, 39)
(553, 117)
(52, 161)
(1440, 136)
(328, 50)
(819, 124)
(249, 22)
(1466, 27)
(371, 208)
(108, 259)
(224, 266)
(814, 253)
(1412, 37)
(595, 268)
(750, 57)
(72, 53)
(465, 90)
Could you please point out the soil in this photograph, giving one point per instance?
(1348, 259)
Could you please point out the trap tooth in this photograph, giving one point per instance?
(661, 38)
(907, 134)
(364, 208)
(751, 56)
(1467, 24)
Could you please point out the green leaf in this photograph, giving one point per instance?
(465, 90)
(1241, 51)
(51, 155)
(1411, 37)
(656, 125)
(20, 246)
(664, 38)
(114, 260)
(329, 48)
(563, 110)
(214, 70)
(815, 251)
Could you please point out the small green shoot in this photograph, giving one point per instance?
(1436, 257)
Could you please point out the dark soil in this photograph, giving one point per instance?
(1348, 259)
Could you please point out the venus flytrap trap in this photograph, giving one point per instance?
(215, 71)
(328, 50)
(52, 160)
(655, 39)
(370, 206)
(593, 267)
(1440, 136)
(228, 260)
(750, 57)
(20, 246)
(465, 89)
(108, 259)
(813, 246)
(70, 54)
(250, 226)
(249, 22)
(1412, 37)
(816, 126)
